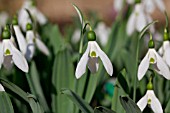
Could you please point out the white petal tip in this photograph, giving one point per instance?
(1, 88)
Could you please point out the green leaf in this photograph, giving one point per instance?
(102, 109)
(146, 28)
(79, 14)
(37, 86)
(14, 90)
(116, 105)
(123, 83)
(84, 106)
(129, 105)
(5, 103)
(34, 104)
(62, 77)
(52, 33)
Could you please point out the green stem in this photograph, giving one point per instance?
(30, 84)
(136, 67)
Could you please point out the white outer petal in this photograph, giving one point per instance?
(39, 16)
(143, 102)
(149, 5)
(130, 28)
(140, 21)
(1, 87)
(161, 51)
(106, 61)
(143, 66)
(166, 48)
(118, 4)
(42, 47)
(162, 66)
(81, 66)
(19, 59)
(155, 104)
(1, 54)
(160, 5)
(20, 38)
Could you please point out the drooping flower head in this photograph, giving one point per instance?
(9, 54)
(33, 39)
(137, 20)
(150, 99)
(153, 58)
(90, 58)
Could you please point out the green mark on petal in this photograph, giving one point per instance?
(7, 52)
(149, 101)
(93, 54)
(152, 61)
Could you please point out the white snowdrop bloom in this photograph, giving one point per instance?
(32, 40)
(118, 5)
(102, 32)
(9, 54)
(137, 20)
(1, 88)
(90, 58)
(150, 5)
(152, 57)
(29, 4)
(130, 1)
(150, 99)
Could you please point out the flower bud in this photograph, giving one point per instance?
(166, 34)
(29, 26)
(91, 35)
(150, 86)
(151, 44)
(15, 20)
(6, 33)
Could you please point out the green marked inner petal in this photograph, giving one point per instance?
(7, 52)
(152, 61)
(149, 101)
(136, 13)
(93, 54)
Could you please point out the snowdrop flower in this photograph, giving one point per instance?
(9, 54)
(164, 50)
(1, 88)
(150, 99)
(102, 32)
(137, 20)
(37, 15)
(150, 5)
(90, 58)
(32, 40)
(152, 57)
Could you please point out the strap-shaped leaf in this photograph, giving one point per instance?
(5, 103)
(102, 109)
(84, 106)
(129, 105)
(79, 14)
(146, 28)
